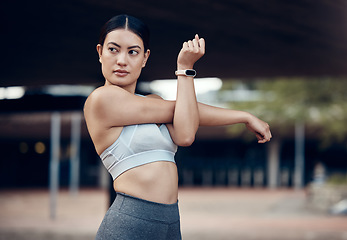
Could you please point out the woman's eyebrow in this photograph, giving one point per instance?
(135, 46)
(113, 44)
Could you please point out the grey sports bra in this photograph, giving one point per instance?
(138, 145)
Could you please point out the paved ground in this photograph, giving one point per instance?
(206, 214)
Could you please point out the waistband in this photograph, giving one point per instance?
(144, 209)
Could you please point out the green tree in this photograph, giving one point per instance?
(320, 103)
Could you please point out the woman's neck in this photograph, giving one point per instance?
(129, 88)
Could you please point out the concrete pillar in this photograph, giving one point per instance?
(273, 158)
(246, 177)
(258, 176)
(54, 163)
(75, 152)
(233, 175)
(207, 177)
(299, 167)
(104, 176)
(188, 177)
(284, 179)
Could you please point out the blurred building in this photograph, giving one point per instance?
(47, 43)
(217, 158)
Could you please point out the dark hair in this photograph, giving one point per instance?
(126, 22)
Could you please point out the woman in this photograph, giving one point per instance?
(137, 137)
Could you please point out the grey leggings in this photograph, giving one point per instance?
(131, 218)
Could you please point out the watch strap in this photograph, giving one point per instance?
(187, 72)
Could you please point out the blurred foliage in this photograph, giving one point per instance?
(337, 179)
(320, 103)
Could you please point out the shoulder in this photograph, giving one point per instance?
(103, 102)
(106, 92)
(154, 96)
(104, 96)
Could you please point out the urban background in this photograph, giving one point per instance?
(285, 62)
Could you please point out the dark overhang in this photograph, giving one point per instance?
(53, 42)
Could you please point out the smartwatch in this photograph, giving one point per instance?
(188, 73)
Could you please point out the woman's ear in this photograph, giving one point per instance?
(147, 53)
(99, 50)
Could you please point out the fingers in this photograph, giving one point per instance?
(196, 37)
(202, 45)
(191, 52)
(266, 137)
(197, 44)
(268, 134)
(260, 128)
(191, 44)
(200, 42)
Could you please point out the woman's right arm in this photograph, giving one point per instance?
(112, 106)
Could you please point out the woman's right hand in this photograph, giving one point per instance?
(260, 128)
(191, 52)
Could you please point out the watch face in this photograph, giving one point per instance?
(190, 73)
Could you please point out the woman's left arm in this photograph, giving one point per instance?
(185, 121)
(215, 116)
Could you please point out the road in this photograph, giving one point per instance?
(206, 214)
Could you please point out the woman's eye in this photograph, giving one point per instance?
(112, 49)
(133, 52)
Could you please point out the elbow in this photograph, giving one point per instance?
(186, 141)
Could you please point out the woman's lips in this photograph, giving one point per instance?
(121, 73)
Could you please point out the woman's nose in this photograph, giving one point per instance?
(121, 59)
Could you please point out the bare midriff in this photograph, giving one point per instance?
(156, 182)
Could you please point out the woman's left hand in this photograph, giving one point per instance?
(260, 128)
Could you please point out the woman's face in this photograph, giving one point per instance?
(122, 58)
